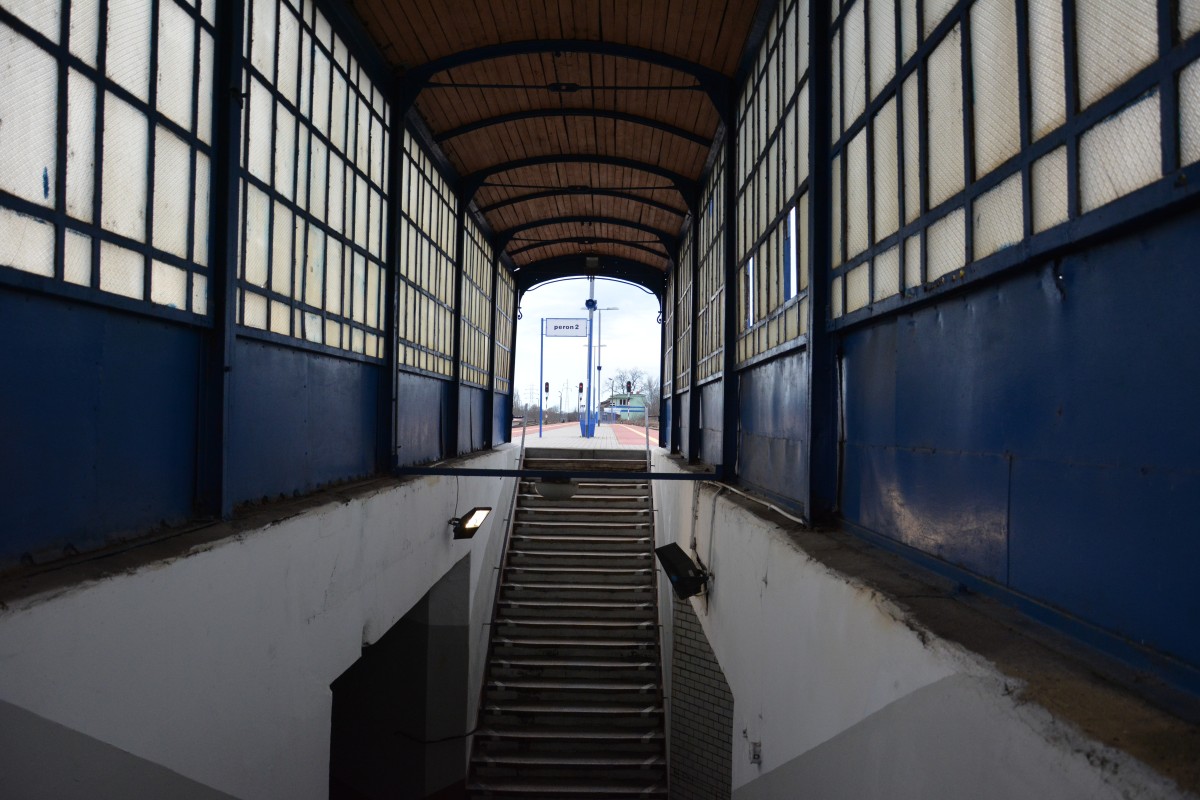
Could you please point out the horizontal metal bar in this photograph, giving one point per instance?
(471, 472)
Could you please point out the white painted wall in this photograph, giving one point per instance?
(846, 698)
(217, 665)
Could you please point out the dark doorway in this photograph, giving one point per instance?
(399, 712)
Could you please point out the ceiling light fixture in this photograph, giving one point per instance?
(563, 88)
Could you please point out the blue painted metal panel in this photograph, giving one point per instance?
(712, 404)
(1040, 432)
(471, 413)
(98, 423)
(664, 423)
(421, 418)
(683, 410)
(299, 420)
(502, 419)
(772, 450)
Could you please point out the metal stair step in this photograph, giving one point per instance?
(573, 685)
(575, 709)
(533, 641)
(571, 760)
(577, 623)
(562, 788)
(594, 605)
(571, 735)
(572, 663)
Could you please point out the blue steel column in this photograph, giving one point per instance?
(693, 355)
(489, 403)
(662, 349)
(674, 300)
(820, 498)
(454, 411)
(213, 496)
(730, 411)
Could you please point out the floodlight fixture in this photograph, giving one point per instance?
(466, 525)
(686, 578)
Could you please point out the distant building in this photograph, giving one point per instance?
(624, 408)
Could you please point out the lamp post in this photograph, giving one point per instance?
(599, 339)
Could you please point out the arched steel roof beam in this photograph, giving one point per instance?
(668, 239)
(714, 83)
(587, 241)
(687, 188)
(542, 113)
(582, 191)
(613, 267)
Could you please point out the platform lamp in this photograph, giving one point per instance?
(686, 578)
(466, 525)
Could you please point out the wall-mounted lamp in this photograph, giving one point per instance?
(686, 578)
(466, 525)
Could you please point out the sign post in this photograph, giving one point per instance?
(555, 327)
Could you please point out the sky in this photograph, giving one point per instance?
(630, 336)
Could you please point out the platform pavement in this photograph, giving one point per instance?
(567, 435)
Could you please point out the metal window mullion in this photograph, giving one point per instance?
(1071, 76)
(60, 147)
(489, 422)
(968, 133)
(151, 140)
(98, 139)
(1025, 111)
(694, 344)
(456, 333)
(1168, 90)
(923, 140)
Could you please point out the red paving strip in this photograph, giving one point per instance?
(627, 434)
(533, 429)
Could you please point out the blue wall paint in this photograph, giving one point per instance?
(1041, 432)
(712, 401)
(772, 447)
(97, 420)
(471, 413)
(299, 420)
(502, 419)
(422, 424)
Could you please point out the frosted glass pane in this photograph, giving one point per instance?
(85, 30)
(289, 52)
(836, 298)
(803, 314)
(1189, 114)
(994, 73)
(26, 243)
(204, 108)
(945, 124)
(1189, 18)
(887, 273)
(314, 270)
(854, 64)
(856, 195)
(123, 197)
(77, 258)
(317, 171)
(887, 201)
(122, 271)
(376, 212)
(199, 294)
(259, 125)
(1046, 66)
(175, 60)
(836, 81)
(803, 242)
(255, 313)
(299, 259)
(41, 15)
(789, 55)
(935, 12)
(257, 232)
(28, 108)
(320, 110)
(209, 9)
(281, 318)
(372, 302)
(313, 328)
(129, 45)
(172, 187)
(359, 288)
(1116, 39)
(946, 240)
(333, 277)
(912, 150)
(1120, 154)
(81, 146)
(337, 191)
(802, 136)
(1050, 190)
(285, 152)
(281, 253)
(337, 113)
(912, 262)
(858, 287)
(168, 285)
(883, 44)
(360, 211)
(836, 209)
(262, 42)
(999, 220)
(200, 211)
(908, 29)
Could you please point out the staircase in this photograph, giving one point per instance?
(572, 703)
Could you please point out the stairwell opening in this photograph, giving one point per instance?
(400, 711)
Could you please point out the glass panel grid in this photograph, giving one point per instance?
(125, 212)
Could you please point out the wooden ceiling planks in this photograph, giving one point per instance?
(530, 105)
